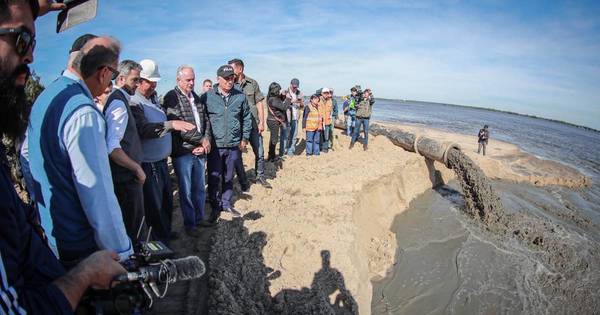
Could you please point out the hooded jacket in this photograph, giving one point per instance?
(277, 106)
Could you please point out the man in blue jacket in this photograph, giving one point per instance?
(31, 278)
(231, 122)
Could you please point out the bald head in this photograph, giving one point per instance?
(98, 52)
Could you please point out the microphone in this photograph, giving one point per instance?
(168, 270)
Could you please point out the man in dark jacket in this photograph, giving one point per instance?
(155, 132)
(231, 123)
(189, 148)
(482, 139)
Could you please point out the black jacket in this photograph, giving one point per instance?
(185, 142)
(276, 104)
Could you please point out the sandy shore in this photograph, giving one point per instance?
(345, 202)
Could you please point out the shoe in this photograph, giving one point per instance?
(245, 187)
(192, 232)
(234, 212)
(351, 146)
(208, 224)
(365, 147)
(264, 183)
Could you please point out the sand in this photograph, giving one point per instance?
(341, 205)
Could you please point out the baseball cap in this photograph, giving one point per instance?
(295, 82)
(80, 41)
(325, 90)
(149, 70)
(225, 71)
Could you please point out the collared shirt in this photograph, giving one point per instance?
(194, 109)
(84, 138)
(116, 122)
(296, 96)
(253, 94)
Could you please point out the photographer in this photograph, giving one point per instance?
(32, 280)
(363, 114)
(349, 108)
(482, 139)
(278, 104)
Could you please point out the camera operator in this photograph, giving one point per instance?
(31, 278)
(363, 114)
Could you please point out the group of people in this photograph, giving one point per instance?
(95, 149)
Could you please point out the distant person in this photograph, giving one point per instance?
(125, 148)
(483, 137)
(296, 98)
(350, 108)
(255, 100)
(312, 124)
(334, 117)
(278, 104)
(155, 132)
(78, 191)
(326, 109)
(231, 123)
(190, 149)
(206, 85)
(363, 115)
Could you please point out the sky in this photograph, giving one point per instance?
(532, 57)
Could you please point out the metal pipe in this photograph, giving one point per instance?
(427, 147)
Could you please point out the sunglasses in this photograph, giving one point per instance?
(115, 73)
(24, 41)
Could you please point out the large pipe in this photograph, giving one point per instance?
(427, 147)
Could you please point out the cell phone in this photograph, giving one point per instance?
(77, 12)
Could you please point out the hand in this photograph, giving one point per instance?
(181, 125)
(261, 127)
(206, 144)
(101, 267)
(243, 144)
(140, 175)
(47, 6)
(198, 151)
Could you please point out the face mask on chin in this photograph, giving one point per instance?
(14, 108)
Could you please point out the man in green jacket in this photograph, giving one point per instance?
(231, 122)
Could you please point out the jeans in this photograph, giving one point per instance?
(313, 139)
(256, 142)
(275, 130)
(158, 199)
(350, 119)
(482, 145)
(365, 123)
(325, 135)
(192, 195)
(291, 141)
(284, 131)
(221, 168)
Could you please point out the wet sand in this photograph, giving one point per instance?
(330, 217)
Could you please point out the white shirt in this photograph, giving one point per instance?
(116, 121)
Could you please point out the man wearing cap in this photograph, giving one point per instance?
(231, 123)
(255, 100)
(349, 108)
(363, 114)
(296, 98)
(155, 132)
(326, 109)
(189, 148)
(125, 148)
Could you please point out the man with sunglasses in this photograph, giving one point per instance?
(31, 279)
(125, 148)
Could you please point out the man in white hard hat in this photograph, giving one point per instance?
(155, 132)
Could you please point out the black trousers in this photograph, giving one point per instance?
(130, 195)
(158, 200)
(275, 129)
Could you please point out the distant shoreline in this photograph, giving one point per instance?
(496, 110)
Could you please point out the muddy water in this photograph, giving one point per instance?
(539, 255)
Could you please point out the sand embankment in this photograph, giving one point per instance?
(345, 201)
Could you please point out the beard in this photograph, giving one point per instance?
(14, 107)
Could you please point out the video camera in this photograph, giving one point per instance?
(150, 271)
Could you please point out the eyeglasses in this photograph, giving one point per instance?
(115, 73)
(24, 41)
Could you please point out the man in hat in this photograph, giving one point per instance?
(190, 148)
(255, 100)
(155, 133)
(296, 98)
(231, 123)
(349, 108)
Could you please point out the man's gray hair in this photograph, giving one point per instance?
(181, 68)
(127, 65)
(93, 59)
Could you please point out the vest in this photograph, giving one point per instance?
(326, 107)
(313, 119)
(154, 149)
(130, 143)
(50, 164)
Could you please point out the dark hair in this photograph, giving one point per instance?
(207, 80)
(237, 62)
(97, 57)
(4, 13)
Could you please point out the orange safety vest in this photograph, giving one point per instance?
(314, 119)
(326, 107)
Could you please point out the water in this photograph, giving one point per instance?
(542, 257)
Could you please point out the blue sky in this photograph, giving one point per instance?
(532, 57)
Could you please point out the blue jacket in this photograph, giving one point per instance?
(231, 120)
(27, 266)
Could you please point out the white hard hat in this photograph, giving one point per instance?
(149, 70)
